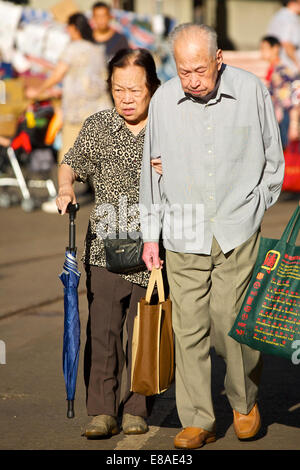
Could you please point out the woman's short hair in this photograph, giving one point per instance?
(80, 21)
(140, 57)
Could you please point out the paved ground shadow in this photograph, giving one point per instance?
(279, 397)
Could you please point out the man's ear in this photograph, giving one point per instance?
(219, 57)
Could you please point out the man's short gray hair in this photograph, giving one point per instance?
(201, 28)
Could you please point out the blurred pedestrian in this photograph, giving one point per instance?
(285, 26)
(215, 130)
(109, 150)
(281, 81)
(104, 34)
(81, 69)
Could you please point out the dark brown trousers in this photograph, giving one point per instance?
(110, 297)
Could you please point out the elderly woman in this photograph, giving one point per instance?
(108, 150)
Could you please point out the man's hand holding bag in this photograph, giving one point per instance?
(153, 342)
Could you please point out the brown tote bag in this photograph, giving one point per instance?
(153, 342)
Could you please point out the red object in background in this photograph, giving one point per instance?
(269, 73)
(22, 141)
(291, 180)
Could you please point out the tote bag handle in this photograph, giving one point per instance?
(155, 277)
(295, 229)
(291, 231)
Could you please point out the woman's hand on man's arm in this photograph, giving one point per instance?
(157, 165)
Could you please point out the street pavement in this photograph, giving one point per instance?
(32, 393)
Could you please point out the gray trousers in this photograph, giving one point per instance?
(110, 297)
(208, 291)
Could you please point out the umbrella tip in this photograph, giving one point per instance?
(70, 413)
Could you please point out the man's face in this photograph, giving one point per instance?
(101, 18)
(197, 69)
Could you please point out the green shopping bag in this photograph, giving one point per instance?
(269, 319)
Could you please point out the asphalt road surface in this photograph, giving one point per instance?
(32, 393)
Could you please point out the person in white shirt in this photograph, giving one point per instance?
(285, 26)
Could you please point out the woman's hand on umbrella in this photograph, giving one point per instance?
(65, 196)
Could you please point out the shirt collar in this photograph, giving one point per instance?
(225, 88)
(118, 122)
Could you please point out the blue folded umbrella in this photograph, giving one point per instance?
(70, 277)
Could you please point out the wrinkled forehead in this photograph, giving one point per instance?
(191, 45)
(129, 76)
(192, 54)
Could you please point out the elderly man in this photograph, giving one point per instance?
(215, 131)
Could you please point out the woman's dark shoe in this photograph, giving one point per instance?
(134, 424)
(102, 426)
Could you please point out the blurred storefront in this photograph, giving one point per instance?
(240, 23)
(246, 20)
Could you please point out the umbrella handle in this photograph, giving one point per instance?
(72, 209)
(70, 413)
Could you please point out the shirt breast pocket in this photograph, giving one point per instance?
(236, 142)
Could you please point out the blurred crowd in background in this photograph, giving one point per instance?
(53, 66)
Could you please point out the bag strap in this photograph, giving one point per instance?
(155, 277)
(295, 229)
(292, 226)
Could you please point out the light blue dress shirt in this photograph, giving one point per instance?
(222, 161)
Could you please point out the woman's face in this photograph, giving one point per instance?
(73, 32)
(130, 93)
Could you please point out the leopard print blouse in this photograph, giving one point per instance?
(108, 154)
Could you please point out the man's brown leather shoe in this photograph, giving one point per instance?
(247, 426)
(192, 438)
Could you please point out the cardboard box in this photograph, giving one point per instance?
(14, 91)
(8, 120)
(14, 105)
(63, 9)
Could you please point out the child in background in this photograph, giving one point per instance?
(283, 86)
